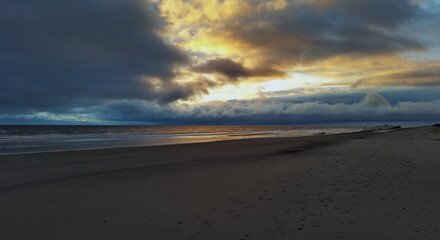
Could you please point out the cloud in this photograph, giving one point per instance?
(297, 35)
(374, 100)
(313, 110)
(373, 107)
(421, 75)
(234, 70)
(312, 31)
(387, 13)
(294, 30)
(112, 60)
(385, 105)
(65, 54)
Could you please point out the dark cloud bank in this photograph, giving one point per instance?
(391, 105)
(410, 105)
(63, 54)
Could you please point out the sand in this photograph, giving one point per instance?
(348, 186)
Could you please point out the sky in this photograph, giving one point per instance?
(197, 62)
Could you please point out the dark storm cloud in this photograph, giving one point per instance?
(224, 66)
(316, 30)
(60, 54)
(234, 70)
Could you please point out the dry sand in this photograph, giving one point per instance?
(349, 186)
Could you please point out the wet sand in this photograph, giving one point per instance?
(348, 186)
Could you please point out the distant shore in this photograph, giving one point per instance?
(365, 185)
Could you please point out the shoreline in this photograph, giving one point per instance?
(34, 139)
(347, 186)
(207, 141)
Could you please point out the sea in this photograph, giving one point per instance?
(31, 139)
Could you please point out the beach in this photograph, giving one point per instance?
(366, 185)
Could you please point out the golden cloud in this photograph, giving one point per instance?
(355, 43)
